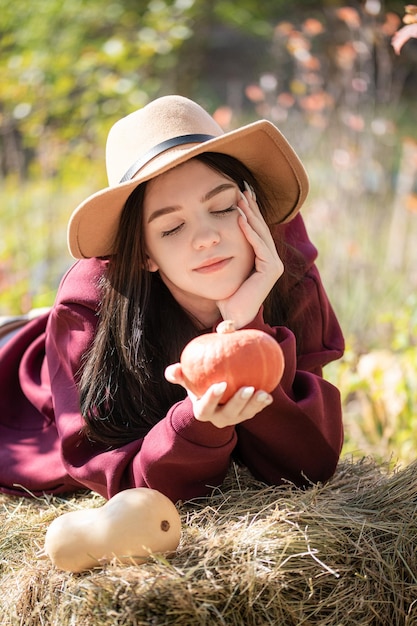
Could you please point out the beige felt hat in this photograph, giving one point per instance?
(167, 132)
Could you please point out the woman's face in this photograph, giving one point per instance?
(193, 238)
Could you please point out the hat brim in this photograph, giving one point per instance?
(259, 146)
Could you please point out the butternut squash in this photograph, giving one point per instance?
(129, 527)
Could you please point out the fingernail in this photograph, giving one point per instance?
(242, 214)
(264, 397)
(219, 388)
(244, 198)
(247, 392)
(250, 189)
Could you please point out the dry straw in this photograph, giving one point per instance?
(335, 555)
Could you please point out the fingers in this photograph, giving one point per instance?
(250, 190)
(256, 229)
(259, 236)
(248, 203)
(173, 374)
(206, 406)
(251, 214)
(244, 405)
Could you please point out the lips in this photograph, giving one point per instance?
(212, 265)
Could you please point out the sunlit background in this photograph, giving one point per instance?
(325, 72)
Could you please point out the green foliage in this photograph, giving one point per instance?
(33, 251)
(379, 391)
(68, 68)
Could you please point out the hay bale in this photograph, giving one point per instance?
(337, 554)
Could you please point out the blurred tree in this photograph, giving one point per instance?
(66, 66)
(69, 69)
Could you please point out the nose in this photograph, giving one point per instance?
(205, 236)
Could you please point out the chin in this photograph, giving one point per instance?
(224, 295)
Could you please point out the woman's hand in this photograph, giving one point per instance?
(244, 405)
(244, 304)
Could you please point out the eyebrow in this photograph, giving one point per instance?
(210, 194)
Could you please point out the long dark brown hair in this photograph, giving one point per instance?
(142, 329)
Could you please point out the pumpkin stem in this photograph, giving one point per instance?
(226, 326)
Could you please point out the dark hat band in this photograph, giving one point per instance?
(162, 147)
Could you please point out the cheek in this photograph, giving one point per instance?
(154, 252)
(247, 264)
(250, 262)
(163, 256)
(152, 261)
(248, 252)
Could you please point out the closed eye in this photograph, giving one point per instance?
(220, 213)
(229, 209)
(172, 231)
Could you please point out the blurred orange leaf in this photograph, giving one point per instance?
(350, 16)
(312, 27)
(284, 28)
(297, 41)
(311, 63)
(316, 101)
(286, 100)
(254, 93)
(354, 121)
(391, 24)
(346, 55)
(223, 116)
(411, 202)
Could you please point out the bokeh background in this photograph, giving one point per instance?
(324, 72)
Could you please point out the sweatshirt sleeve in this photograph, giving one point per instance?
(298, 438)
(180, 456)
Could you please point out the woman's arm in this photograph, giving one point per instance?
(180, 456)
(299, 436)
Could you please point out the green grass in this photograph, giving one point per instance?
(368, 261)
(33, 249)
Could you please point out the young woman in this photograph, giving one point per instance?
(196, 226)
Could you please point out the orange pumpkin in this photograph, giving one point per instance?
(242, 358)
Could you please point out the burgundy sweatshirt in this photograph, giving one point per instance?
(43, 449)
